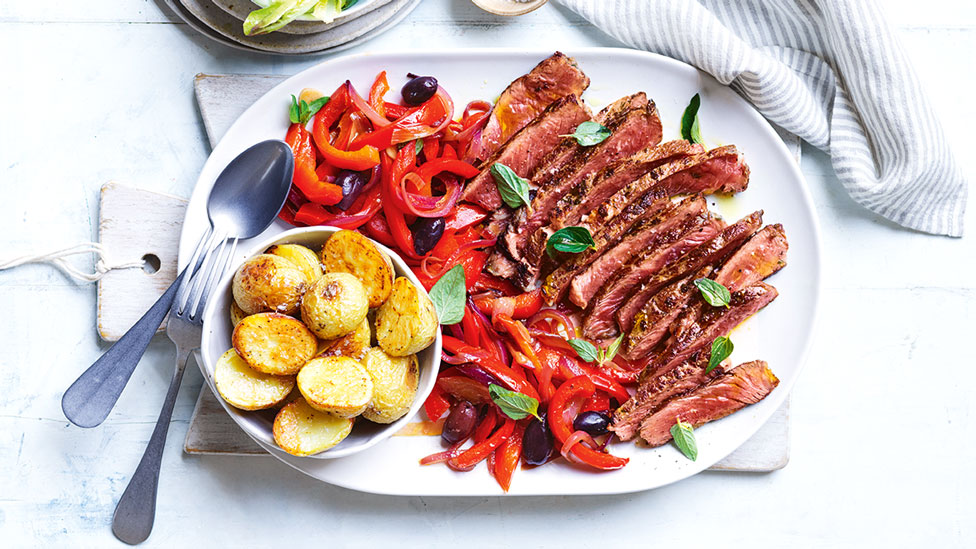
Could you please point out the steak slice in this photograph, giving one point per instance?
(631, 132)
(746, 384)
(697, 332)
(713, 251)
(600, 322)
(600, 186)
(556, 76)
(624, 118)
(605, 235)
(527, 148)
(646, 236)
(653, 393)
(761, 256)
(718, 170)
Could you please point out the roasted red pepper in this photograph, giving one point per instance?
(464, 216)
(507, 457)
(481, 450)
(393, 170)
(417, 123)
(577, 388)
(376, 93)
(464, 388)
(305, 177)
(436, 404)
(362, 158)
(379, 230)
(498, 370)
(520, 306)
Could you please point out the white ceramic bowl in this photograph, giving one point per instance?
(216, 340)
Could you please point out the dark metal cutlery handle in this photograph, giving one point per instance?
(93, 395)
(136, 511)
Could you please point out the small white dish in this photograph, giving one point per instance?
(216, 340)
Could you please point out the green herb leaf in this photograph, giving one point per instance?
(590, 133)
(418, 146)
(586, 350)
(721, 349)
(293, 111)
(689, 121)
(448, 295)
(570, 239)
(714, 293)
(316, 105)
(684, 439)
(512, 403)
(514, 189)
(614, 347)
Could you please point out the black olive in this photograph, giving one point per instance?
(460, 422)
(352, 184)
(537, 442)
(418, 90)
(427, 232)
(594, 423)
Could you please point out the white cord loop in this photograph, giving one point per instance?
(57, 258)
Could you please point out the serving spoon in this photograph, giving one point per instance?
(244, 201)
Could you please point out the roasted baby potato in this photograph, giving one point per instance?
(353, 345)
(236, 313)
(245, 388)
(273, 343)
(302, 430)
(394, 385)
(406, 323)
(269, 283)
(334, 305)
(353, 253)
(304, 258)
(336, 384)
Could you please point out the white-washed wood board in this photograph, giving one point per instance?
(222, 99)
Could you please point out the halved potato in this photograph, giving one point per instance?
(394, 385)
(245, 388)
(353, 345)
(353, 253)
(407, 322)
(334, 305)
(336, 384)
(236, 313)
(304, 258)
(274, 343)
(269, 283)
(302, 430)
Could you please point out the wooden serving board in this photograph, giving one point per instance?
(222, 99)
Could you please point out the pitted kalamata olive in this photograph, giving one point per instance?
(460, 422)
(352, 184)
(427, 232)
(418, 90)
(594, 423)
(537, 442)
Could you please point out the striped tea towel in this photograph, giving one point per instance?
(831, 72)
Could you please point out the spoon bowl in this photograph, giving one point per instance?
(251, 190)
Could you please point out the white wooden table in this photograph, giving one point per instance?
(884, 436)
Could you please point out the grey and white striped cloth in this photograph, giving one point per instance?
(831, 72)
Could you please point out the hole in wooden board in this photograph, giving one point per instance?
(151, 263)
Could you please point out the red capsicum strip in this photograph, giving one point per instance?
(579, 387)
(418, 122)
(394, 216)
(482, 358)
(507, 457)
(362, 158)
(305, 177)
(523, 305)
(436, 404)
(474, 455)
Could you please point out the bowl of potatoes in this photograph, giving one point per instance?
(321, 342)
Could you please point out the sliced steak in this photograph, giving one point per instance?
(646, 236)
(653, 393)
(718, 170)
(600, 322)
(761, 256)
(712, 252)
(744, 385)
(630, 132)
(698, 332)
(556, 76)
(605, 235)
(600, 186)
(527, 148)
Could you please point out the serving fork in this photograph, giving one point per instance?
(136, 510)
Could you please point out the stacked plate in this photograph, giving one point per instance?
(223, 20)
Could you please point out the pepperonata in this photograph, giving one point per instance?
(395, 172)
